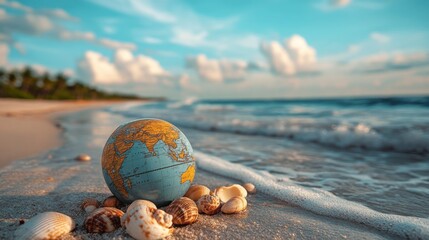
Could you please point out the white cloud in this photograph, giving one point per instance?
(4, 52)
(300, 51)
(125, 67)
(386, 62)
(278, 58)
(340, 3)
(44, 23)
(151, 40)
(215, 70)
(380, 38)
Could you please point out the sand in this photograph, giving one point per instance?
(27, 127)
(55, 181)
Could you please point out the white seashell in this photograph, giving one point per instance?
(83, 158)
(102, 220)
(47, 225)
(195, 192)
(234, 205)
(228, 192)
(141, 201)
(209, 204)
(250, 188)
(143, 222)
(183, 210)
(90, 204)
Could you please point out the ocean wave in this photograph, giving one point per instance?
(318, 201)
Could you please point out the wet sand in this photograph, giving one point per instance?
(56, 182)
(27, 127)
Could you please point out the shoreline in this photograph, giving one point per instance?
(29, 127)
(54, 181)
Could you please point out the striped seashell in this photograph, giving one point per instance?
(250, 188)
(111, 201)
(195, 192)
(102, 220)
(183, 210)
(234, 205)
(209, 204)
(90, 204)
(227, 192)
(144, 222)
(47, 225)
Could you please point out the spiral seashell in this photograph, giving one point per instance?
(90, 204)
(183, 210)
(197, 191)
(209, 204)
(83, 158)
(144, 222)
(228, 192)
(111, 201)
(250, 188)
(234, 205)
(47, 225)
(102, 220)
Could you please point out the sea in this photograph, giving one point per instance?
(360, 159)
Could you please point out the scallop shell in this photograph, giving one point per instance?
(234, 205)
(83, 157)
(111, 201)
(144, 222)
(250, 188)
(228, 192)
(47, 225)
(90, 204)
(183, 210)
(195, 192)
(209, 204)
(105, 219)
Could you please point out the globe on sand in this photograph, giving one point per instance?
(148, 159)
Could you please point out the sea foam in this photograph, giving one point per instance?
(318, 201)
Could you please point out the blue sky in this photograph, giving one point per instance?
(225, 49)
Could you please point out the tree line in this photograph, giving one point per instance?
(27, 84)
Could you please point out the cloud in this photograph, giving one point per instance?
(214, 70)
(380, 38)
(4, 52)
(124, 68)
(380, 63)
(340, 3)
(295, 56)
(44, 23)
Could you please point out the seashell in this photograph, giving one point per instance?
(226, 193)
(183, 210)
(90, 204)
(250, 188)
(102, 220)
(111, 201)
(144, 222)
(195, 192)
(234, 205)
(47, 225)
(209, 204)
(134, 204)
(83, 157)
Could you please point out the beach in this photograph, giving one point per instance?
(52, 180)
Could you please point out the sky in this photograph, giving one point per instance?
(224, 49)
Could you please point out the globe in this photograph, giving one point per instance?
(148, 159)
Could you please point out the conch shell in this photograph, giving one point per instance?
(143, 222)
(209, 204)
(102, 220)
(47, 225)
(111, 201)
(183, 210)
(226, 193)
(90, 204)
(234, 205)
(250, 188)
(197, 191)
